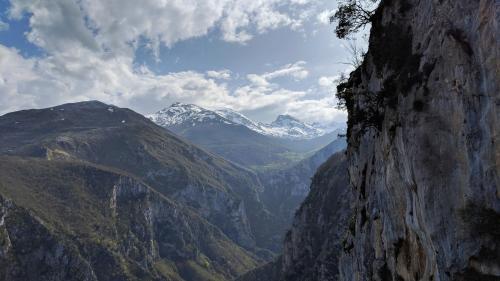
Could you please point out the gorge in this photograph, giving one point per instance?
(409, 191)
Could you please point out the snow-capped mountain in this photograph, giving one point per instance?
(285, 126)
(290, 127)
(185, 114)
(240, 119)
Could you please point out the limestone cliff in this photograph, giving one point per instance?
(423, 144)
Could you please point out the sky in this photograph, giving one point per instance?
(259, 57)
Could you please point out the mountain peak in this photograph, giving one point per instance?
(291, 127)
(182, 114)
(285, 125)
(182, 106)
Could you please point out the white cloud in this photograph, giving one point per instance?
(221, 74)
(56, 26)
(119, 25)
(316, 111)
(44, 82)
(242, 16)
(328, 81)
(296, 71)
(28, 83)
(258, 80)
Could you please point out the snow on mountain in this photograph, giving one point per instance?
(290, 127)
(239, 119)
(183, 114)
(285, 126)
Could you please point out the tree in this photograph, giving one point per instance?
(352, 15)
(356, 51)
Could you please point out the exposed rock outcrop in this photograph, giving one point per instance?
(314, 243)
(423, 144)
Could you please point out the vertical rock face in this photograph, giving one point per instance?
(314, 243)
(423, 144)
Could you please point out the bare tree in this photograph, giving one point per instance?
(356, 52)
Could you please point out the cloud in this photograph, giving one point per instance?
(221, 74)
(328, 81)
(3, 26)
(241, 17)
(119, 25)
(52, 80)
(322, 111)
(56, 26)
(44, 82)
(296, 70)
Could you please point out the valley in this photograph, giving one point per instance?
(112, 186)
(111, 170)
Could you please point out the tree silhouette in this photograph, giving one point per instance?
(352, 15)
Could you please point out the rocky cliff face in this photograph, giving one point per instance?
(314, 243)
(423, 144)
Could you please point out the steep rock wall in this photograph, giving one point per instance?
(423, 144)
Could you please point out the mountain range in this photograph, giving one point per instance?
(284, 154)
(285, 126)
(108, 194)
(127, 181)
(237, 138)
